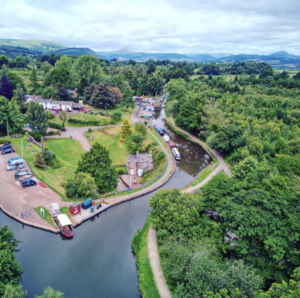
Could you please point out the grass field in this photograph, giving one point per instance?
(146, 280)
(110, 139)
(88, 116)
(67, 151)
(47, 217)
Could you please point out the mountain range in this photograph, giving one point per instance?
(14, 47)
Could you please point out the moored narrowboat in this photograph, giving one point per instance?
(64, 224)
(176, 153)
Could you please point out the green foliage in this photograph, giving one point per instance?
(16, 119)
(63, 117)
(37, 117)
(14, 291)
(140, 128)
(39, 161)
(33, 80)
(56, 125)
(81, 187)
(126, 130)
(10, 269)
(50, 116)
(134, 143)
(97, 163)
(116, 116)
(161, 156)
(36, 135)
(127, 99)
(50, 293)
(135, 242)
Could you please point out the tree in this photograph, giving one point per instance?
(14, 291)
(16, 119)
(116, 93)
(10, 269)
(151, 68)
(50, 293)
(134, 143)
(59, 76)
(6, 87)
(46, 67)
(127, 99)
(3, 60)
(33, 80)
(82, 186)
(97, 163)
(4, 109)
(116, 116)
(63, 117)
(37, 117)
(85, 70)
(39, 161)
(20, 97)
(99, 96)
(125, 130)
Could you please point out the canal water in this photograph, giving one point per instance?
(98, 261)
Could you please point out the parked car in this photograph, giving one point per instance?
(22, 174)
(5, 147)
(28, 182)
(8, 150)
(14, 158)
(16, 164)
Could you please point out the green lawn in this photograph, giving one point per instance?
(88, 116)
(146, 280)
(47, 217)
(68, 152)
(110, 139)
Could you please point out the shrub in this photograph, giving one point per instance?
(39, 161)
(53, 133)
(121, 171)
(116, 116)
(4, 141)
(135, 242)
(84, 122)
(56, 125)
(36, 135)
(161, 156)
(140, 128)
(50, 115)
(63, 184)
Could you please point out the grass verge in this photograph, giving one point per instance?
(47, 218)
(139, 245)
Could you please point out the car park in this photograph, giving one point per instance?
(16, 164)
(8, 150)
(14, 158)
(28, 182)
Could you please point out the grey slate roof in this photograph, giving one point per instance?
(140, 157)
(42, 100)
(63, 103)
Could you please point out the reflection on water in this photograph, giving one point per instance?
(98, 261)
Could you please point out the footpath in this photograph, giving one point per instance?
(153, 254)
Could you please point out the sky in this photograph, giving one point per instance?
(167, 26)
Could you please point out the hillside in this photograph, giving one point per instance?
(37, 45)
(77, 52)
(13, 52)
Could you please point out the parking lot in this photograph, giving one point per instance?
(16, 199)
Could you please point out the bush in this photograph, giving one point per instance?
(121, 171)
(50, 115)
(53, 133)
(116, 116)
(63, 184)
(56, 125)
(36, 135)
(2, 141)
(135, 242)
(39, 161)
(140, 128)
(84, 122)
(161, 156)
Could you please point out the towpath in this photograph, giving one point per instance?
(152, 241)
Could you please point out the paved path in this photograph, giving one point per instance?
(161, 284)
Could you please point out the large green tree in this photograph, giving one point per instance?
(10, 269)
(16, 119)
(14, 291)
(51, 293)
(97, 163)
(37, 117)
(127, 98)
(34, 82)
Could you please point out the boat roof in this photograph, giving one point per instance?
(175, 150)
(55, 206)
(64, 220)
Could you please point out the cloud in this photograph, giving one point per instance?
(183, 26)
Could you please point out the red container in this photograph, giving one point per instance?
(75, 208)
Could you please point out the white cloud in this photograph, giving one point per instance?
(183, 26)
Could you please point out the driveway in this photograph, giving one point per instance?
(16, 199)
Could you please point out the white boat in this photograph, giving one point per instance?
(166, 137)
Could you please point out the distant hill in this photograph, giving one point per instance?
(37, 45)
(13, 52)
(77, 52)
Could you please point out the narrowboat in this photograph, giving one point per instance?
(64, 224)
(166, 137)
(158, 129)
(176, 153)
(171, 144)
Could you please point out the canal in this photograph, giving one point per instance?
(98, 261)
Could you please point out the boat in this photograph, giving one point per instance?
(176, 153)
(171, 144)
(64, 224)
(166, 137)
(158, 129)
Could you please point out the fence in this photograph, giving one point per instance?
(32, 140)
(116, 192)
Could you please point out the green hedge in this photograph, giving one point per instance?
(36, 135)
(84, 122)
(2, 141)
(56, 125)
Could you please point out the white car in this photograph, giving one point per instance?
(166, 137)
